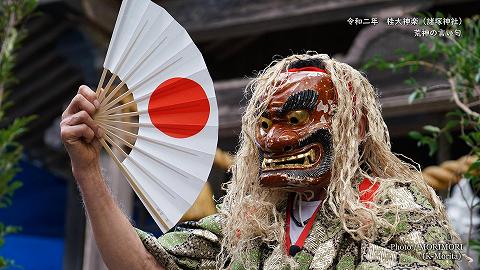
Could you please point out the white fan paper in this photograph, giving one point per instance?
(168, 157)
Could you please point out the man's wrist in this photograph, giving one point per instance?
(86, 174)
(90, 182)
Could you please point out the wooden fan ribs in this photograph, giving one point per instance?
(172, 146)
(168, 191)
(100, 83)
(112, 93)
(115, 101)
(185, 174)
(107, 87)
(134, 185)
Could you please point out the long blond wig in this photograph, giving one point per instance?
(252, 213)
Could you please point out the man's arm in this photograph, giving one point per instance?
(119, 244)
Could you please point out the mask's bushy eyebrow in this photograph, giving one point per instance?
(303, 100)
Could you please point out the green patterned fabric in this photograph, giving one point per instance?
(195, 245)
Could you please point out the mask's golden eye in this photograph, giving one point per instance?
(298, 117)
(265, 123)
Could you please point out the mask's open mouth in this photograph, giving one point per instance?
(307, 163)
(305, 159)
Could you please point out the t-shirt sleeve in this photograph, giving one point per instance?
(419, 240)
(190, 245)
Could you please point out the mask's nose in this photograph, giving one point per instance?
(280, 140)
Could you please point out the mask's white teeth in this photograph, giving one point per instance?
(306, 161)
(311, 155)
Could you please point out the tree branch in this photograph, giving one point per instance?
(5, 50)
(426, 64)
(453, 87)
(463, 48)
(458, 102)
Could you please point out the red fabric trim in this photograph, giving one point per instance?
(367, 190)
(323, 71)
(306, 69)
(306, 230)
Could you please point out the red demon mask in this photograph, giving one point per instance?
(294, 134)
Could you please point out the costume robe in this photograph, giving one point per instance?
(415, 243)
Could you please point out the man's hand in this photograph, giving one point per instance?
(79, 132)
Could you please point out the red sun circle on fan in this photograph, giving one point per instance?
(179, 107)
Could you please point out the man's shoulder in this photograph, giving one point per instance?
(406, 195)
(409, 196)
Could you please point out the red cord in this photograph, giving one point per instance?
(306, 230)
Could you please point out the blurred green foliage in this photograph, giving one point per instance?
(457, 59)
(13, 14)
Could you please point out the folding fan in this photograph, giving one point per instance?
(158, 110)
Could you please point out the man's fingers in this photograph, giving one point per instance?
(82, 117)
(71, 134)
(79, 103)
(89, 94)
